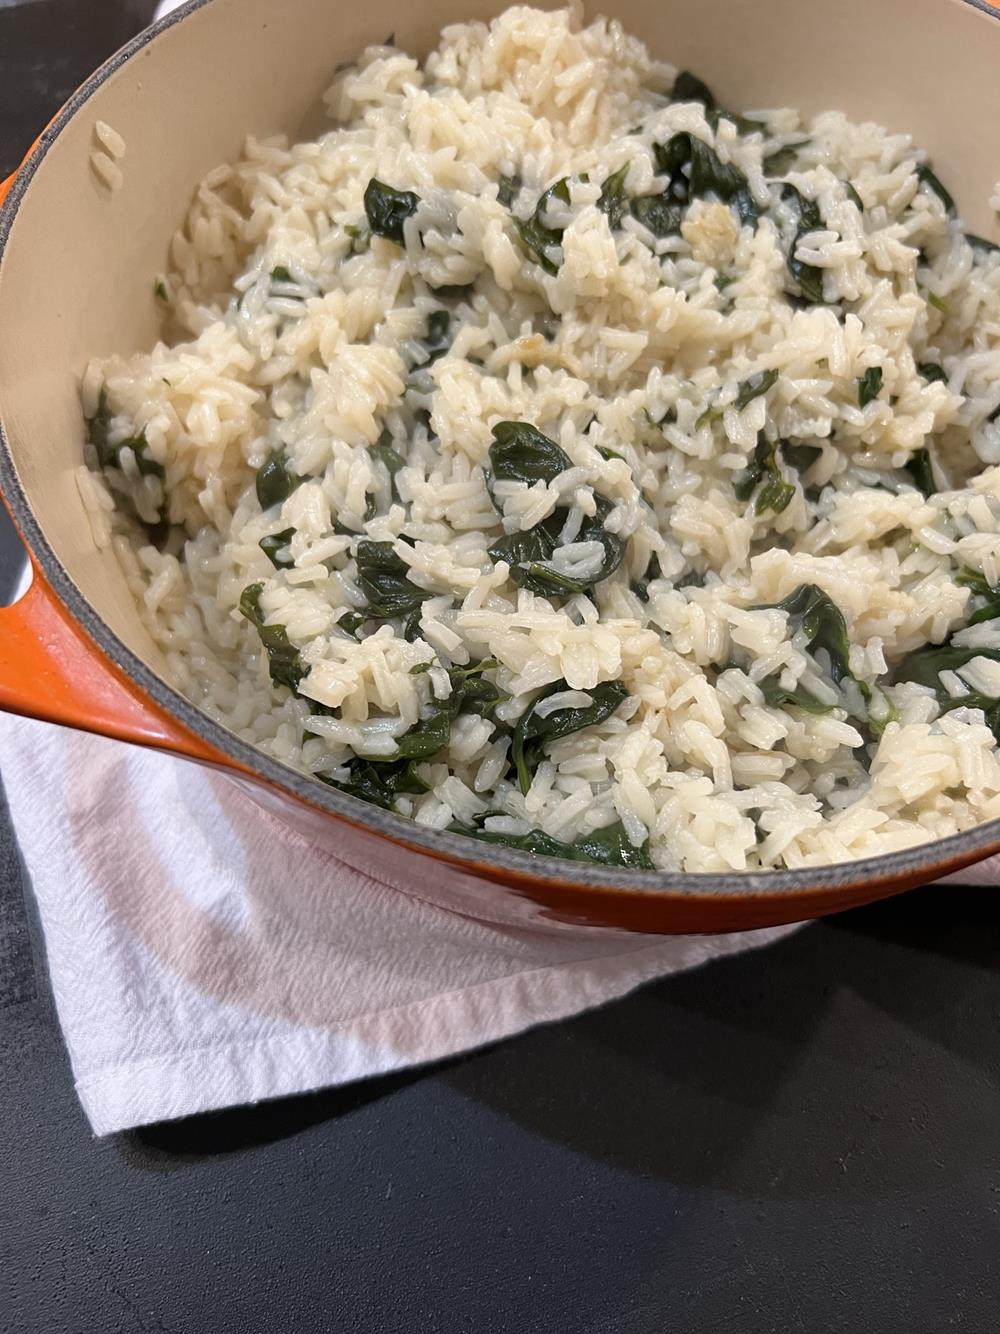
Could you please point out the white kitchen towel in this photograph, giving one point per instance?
(203, 954)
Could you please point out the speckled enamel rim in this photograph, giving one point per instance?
(879, 876)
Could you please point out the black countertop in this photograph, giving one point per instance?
(803, 1139)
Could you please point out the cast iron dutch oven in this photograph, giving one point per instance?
(75, 282)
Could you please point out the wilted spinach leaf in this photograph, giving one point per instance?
(798, 456)
(755, 385)
(869, 386)
(380, 783)
(521, 453)
(854, 197)
(689, 88)
(382, 577)
(527, 552)
(108, 455)
(921, 470)
(536, 235)
(975, 700)
(277, 542)
(808, 276)
(926, 177)
(925, 665)
(438, 337)
(534, 733)
(707, 176)
(752, 387)
(471, 691)
(383, 452)
(274, 481)
(387, 209)
(508, 190)
(640, 587)
(822, 622)
(812, 610)
(431, 734)
(777, 696)
(778, 162)
(776, 493)
(980, 588)
(613, 201)
(609, 846)
(932, 372)
(658, 214)
(284, 663)
(531, 546)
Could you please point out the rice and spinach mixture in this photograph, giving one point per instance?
(550, 453)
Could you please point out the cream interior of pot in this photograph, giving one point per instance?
(77, 274)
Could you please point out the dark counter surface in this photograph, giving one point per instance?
(802, 1139)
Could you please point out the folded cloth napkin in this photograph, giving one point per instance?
(203, 954)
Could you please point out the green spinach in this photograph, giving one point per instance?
(521, 453)
(387, 209)
(527, 553)
(383, 452)
(610, 846)
(776, 494)
(438, 337)
(777, 697)
(689, 88)
(927, 178)
(389, 593)
(706, 176)
(508, 190)
(273, 545)
(284, 663)
(537, 237)
(613, 201)
(658, 214)
(274, 481)
(752, 387)
(778, 162)
(808, 277)
(380, 784)
(640, 587)
(924, 667)
(534, 733)
(822, 622)
(980, 588)
(799, 456)
(869, 386)
(109, 455)
(920, 468)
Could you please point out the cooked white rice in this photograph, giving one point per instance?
(292, 328)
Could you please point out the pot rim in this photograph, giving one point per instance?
(925, 861)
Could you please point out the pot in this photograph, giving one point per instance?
(75, 281)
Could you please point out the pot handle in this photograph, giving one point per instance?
(50, 670)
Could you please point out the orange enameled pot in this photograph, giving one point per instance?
(75, 281)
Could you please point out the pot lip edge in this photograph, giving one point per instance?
(882, 872)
